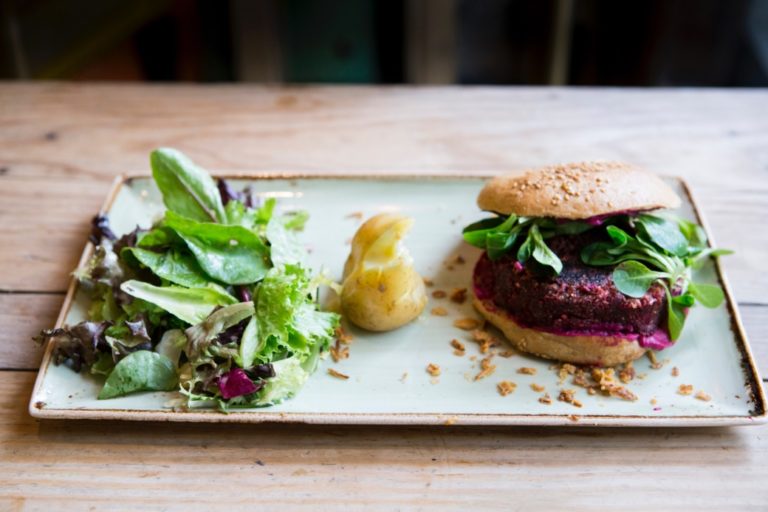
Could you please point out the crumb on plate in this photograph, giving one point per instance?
(466, 324)
(338, 375)
(704, 397)
(506, 387)
(342, 336)
(459, 295)
(568, 396)
(485, 340)
(486, 368)
(458, 347)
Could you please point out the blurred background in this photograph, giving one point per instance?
(576, 42)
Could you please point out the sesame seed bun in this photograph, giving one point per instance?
(587, 350)
(577, 191)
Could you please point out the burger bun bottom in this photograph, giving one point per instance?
(583, 350)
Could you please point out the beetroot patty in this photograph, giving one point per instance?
(580, 299)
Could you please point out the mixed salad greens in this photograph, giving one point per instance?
(215, 299)
(644, 248)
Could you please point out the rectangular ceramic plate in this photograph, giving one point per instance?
(388, 382)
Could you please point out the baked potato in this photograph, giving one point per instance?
(381, 290)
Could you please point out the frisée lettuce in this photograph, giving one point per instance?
(215, 300)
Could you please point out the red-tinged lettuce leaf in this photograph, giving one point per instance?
(100, 230)
(236, 383)
(77, 346)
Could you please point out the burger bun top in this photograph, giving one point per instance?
(577, 191)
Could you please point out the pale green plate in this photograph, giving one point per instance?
(388, 382)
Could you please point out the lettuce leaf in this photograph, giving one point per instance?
(289, 378)
(288, 321)
(191, 305)
(187, 189)
(172, 265)
(140, 371)
(230, 254)
(285, 247)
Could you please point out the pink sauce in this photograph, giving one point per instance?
(598, 220)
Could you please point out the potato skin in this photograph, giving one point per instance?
(381, 290)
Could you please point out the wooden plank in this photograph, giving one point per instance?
(44, 225)
(21, 317)
(45, 465)
(100, 130)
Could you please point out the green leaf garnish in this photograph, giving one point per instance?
(709, 295)
(632, 278)
(140, 371)
(187, 189)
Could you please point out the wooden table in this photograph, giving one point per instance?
(61, 145)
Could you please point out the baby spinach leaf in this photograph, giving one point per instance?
(187, 189)
(692, 232)
(664, 233)
(191, 305)
(476, 233)
(140, 371)
(597, 254)
(699, 259)
(633, 279)
(686, 300)
(709, 295)
(619, 237)
(230, 254)
(159, 237)
(542, 253)
(498, 243)
(172, 265)
(675, 316)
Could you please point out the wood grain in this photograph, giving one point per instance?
(62, 144)
(175, 467)
(21, 317)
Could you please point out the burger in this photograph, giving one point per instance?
(579, 264)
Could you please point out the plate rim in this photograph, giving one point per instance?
(758, 415)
